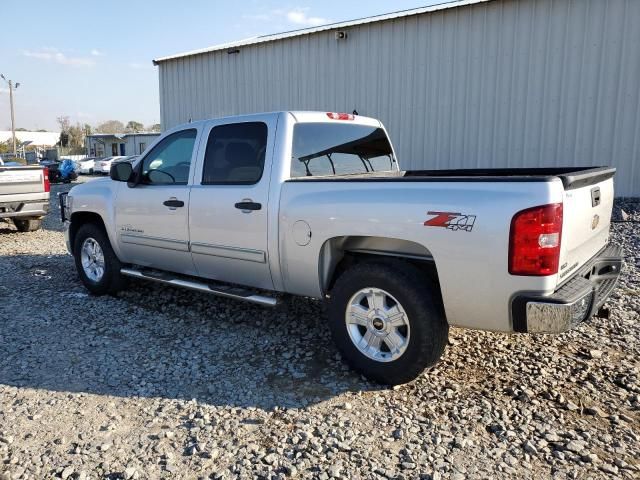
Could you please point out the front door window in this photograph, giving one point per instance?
(169, 161)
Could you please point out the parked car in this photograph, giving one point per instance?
(131, 159)
(24, 195)
(104, 165)
(86, 165)
(57, 174)
(315, 204)
(10, 163)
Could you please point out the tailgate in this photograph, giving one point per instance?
(14, 180)
(585, 228)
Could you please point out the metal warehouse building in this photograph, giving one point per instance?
(473, 83)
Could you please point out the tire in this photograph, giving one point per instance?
(97, 281)
(27, 224)
(410, 308)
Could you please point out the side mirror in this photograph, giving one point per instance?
(121, 172)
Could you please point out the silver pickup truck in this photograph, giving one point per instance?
(315, 204)
(24, 195)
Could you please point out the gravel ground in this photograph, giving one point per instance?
(165, 383)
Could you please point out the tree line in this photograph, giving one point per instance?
(73, 136)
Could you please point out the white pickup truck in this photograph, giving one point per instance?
(315, 204)
(24, 195)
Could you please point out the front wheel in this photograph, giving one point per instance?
(387, 320)
(97, 264)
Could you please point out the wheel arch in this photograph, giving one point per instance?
(81, 218)
(339, 253)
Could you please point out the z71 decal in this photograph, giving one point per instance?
(452, 221)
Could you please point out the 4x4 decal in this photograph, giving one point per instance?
(451, 220)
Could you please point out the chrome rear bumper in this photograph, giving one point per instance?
(576, 300)
(30, 208)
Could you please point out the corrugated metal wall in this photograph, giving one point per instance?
(507, 83)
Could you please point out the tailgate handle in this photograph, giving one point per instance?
(595, 196)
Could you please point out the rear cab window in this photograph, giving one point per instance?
(332, 149)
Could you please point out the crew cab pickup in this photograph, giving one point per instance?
(315, 204)
(24, 195)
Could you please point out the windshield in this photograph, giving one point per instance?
(321, 149)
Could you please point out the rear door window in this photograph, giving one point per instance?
(321, 149)
(235, 154)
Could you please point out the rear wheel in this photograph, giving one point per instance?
(97, 264)
(387, 321)
(27, 224)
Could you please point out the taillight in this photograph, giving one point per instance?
(534, 241)
(45, 180)
(340, 116)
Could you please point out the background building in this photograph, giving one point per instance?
(29, 145)
(473, 83)
(119, 144)
(40, 139)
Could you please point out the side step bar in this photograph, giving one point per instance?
(218, 289)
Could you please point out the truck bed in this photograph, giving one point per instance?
(571, 177)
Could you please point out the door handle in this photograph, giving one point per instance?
(247, 206)
(173, 203)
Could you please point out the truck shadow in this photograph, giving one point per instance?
(7, 229)
(157, 341)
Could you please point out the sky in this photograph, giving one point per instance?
(92, 61)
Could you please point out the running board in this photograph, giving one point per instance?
(218, 289)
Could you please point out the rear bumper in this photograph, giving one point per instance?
(29, 208)
(575, 301)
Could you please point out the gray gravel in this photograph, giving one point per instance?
(165, 383)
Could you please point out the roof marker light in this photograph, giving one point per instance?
(340, 116)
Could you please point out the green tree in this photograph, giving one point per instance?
(64, 123)
(134, 127)
(154, 128)
(110, 126)
(6, 147)
(76, 136)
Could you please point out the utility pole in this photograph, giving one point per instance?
(13, 124)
